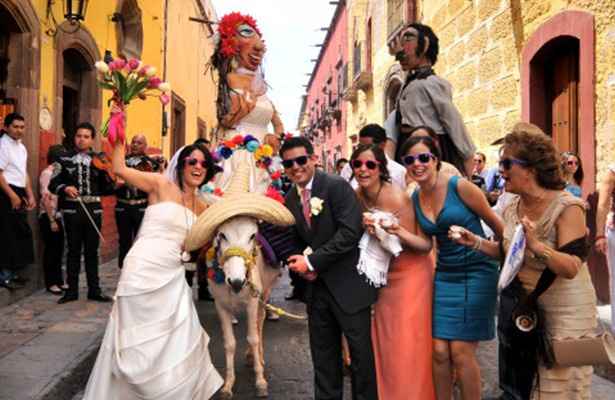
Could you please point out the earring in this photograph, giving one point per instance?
(234, 63)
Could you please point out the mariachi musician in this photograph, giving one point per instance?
(132, 202)
(79, 179)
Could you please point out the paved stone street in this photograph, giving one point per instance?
(47, 351)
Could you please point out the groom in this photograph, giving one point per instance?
(328, 219)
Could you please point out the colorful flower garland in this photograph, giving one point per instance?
(263, 156)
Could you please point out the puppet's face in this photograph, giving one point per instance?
(404, 49)
(250, 46)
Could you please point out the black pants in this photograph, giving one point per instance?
(15, 234)
(128, 219)
(81, 235)
(327, 322)
(52, 252)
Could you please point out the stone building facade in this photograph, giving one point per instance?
(550, 62)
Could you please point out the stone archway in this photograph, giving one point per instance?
(75, 55)
(19, 21)
(577, 25)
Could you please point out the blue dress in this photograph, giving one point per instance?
(465, 284)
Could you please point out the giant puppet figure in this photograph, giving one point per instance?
(242, 105)
(426, 99)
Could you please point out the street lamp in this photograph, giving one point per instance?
(74, 13)
(74, 10)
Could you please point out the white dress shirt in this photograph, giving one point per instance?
(300, 193)
(13, 161)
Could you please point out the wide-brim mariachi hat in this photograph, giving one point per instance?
(236, 201)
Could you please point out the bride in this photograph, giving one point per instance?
(154, 346)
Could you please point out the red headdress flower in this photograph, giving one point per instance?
(227, 28)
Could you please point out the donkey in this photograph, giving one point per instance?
(248, 281)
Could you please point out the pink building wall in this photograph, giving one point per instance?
(324, 108)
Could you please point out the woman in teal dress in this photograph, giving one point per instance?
(465, 283)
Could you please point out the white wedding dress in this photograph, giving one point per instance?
(154, 347)
(255, 123)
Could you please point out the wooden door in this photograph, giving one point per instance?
(562, 98)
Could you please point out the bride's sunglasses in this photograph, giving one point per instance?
(301, 161)
(369, 164)
(193, 161)
(422, 158)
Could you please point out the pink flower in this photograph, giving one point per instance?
(133, 64)
(143, 70)
(165, 99)
(154, 83)
(120, 63)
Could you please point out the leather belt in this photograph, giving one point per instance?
(132, 202)
(85, 199)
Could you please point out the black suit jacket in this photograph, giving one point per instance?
(334, 238)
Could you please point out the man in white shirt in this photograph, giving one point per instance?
(16, 198)
(375, 134)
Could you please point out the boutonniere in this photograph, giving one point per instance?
(316, 205)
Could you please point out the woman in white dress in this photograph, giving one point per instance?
(155, 347)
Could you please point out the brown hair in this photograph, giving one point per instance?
(528, 143)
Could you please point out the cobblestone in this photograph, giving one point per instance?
(47, 351)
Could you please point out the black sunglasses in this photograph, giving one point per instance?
(193, 161)
(571, 162)
(369, 164)
(423, 158)
(301, 161)
(507, 163)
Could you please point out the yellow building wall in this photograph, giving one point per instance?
(188, 50)
(481, 42)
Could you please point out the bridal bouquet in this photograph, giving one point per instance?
(127, 80)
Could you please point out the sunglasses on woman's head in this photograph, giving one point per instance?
(369, 164)
(423, 158)
(301, 161)
(193, 161)
(507, 163)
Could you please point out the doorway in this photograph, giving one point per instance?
(555, 70)
(75, 67)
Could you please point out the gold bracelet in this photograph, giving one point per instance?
(478, 244)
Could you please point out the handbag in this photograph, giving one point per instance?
(597, 348)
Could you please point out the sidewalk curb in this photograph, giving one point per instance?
(75, 376)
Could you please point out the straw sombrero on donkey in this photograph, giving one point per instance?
(236, 201)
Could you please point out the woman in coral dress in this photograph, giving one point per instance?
(401, 328)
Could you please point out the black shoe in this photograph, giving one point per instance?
(20, 280)
(100, 298)
(67, 298)
(10, 284)
(204, 295)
